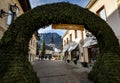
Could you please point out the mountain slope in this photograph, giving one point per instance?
(51, 38)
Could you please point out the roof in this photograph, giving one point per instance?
(70, 47)
(65, 34)
(66, 48)
(49, 48)
(73, 46)
(25, 4)
(89, 41)
(37, 35)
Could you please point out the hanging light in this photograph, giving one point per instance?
(13, 9)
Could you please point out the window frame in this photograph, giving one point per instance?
(9, 18)
(101, 9)
(67, 40)
(70, 37)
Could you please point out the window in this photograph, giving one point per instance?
(101, 12)
(70, 37)
(9, 20)
(82, 35)
(67, 41)
(34, 44)
(31, 42)
(75, 33)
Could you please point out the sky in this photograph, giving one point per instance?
(35, 3)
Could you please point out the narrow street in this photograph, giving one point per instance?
(60, 72)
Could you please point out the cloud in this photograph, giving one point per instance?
(50, 30)
(47, 29)
(35, 3)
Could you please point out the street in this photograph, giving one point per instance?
(60, 72)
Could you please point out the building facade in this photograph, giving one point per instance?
(6, 19)
(33, 47)
(79, 44)
(90, 48)
(7, 15)
(72, 44)
(49, 51)
(108, 10)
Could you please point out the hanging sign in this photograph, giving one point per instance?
(68, 26)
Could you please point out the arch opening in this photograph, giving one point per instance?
(14, 44)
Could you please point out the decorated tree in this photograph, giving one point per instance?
(14, 64)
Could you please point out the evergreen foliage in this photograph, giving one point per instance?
(14, 64)
(43, 48)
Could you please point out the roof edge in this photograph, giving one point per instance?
(90, 4)
(65, 34)
(25, 4)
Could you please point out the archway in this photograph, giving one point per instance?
(14, 65)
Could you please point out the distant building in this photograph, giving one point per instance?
(78, 44)
(90, 49)
(49, 50)
(33, 47)
(71, 44)
(108, 10)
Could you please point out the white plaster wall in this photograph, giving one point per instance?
(65, 38)
(81, 57)
(33, 46)
(73, 36)
(4, 4)
(85, 55)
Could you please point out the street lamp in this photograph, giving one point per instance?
(13, 9)
(3, 13)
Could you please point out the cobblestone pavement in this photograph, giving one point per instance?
(60, 72)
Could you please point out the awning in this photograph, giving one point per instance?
(65, 48)
(73, 46)
(89, 41)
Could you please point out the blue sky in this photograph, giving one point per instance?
(35, 3)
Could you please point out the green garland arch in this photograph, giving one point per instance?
(14, 64)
